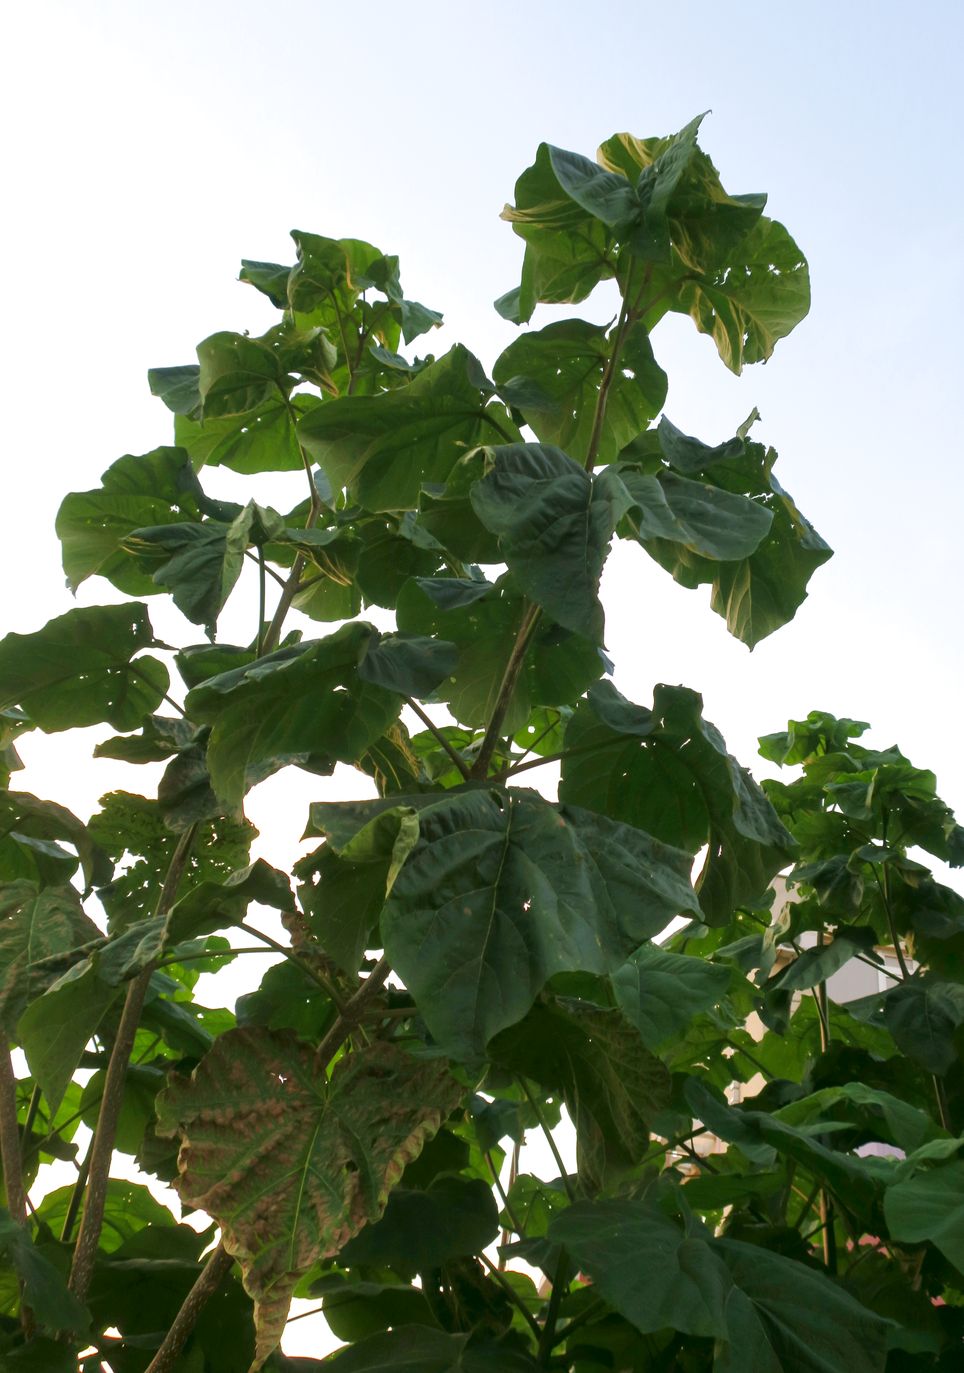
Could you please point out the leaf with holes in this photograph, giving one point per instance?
(292, 1166)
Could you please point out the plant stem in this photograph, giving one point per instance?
(430, 725)
(602, 399)
(552, 1315)
(352, 1010)
(102, 1148)
(530, 618)
(291, 584)
(76, 1197)
(318, 978)
(268, 569)
(517, 1228)
(512, 1294)
(584, 1316)
(261, 580)
(544, 1127)
(210, 1279)
(10, 1140)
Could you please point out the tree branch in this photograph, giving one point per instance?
(10, 1139)
(102, 1149)
(510, 677)
(352, 1010)
(212, 1275)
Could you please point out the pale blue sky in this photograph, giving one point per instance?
(149, 147)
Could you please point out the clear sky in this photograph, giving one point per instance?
(148, 148)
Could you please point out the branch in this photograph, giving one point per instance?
(429, 724)
(292, 957)
(102, 1149)
(352, 1010)
(512, 1294)
(543, 1125)
(210, 1279)
(510, 677)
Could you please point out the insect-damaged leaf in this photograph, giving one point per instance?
(292, 1166)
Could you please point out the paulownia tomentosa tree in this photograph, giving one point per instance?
(466, 957)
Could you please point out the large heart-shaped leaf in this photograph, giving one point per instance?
(661, 992)
(292, 1166)
(503, 890)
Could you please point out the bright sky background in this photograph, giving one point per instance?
(150, 147)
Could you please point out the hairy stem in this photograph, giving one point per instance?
(527, 626)
(212, 1275)
(102, 1149)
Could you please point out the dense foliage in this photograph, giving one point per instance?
(466, 958)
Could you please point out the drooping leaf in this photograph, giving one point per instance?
(289, 1165)
(420, 1349)
(503, 890)
(563, 365)
(28, 822)
(236, 374)
(554, 524)
(135, 491)
(212, 906)
(56, 1028)
(661, 992)
(78, 669)
(668, 772)
(407, 664)
(307, 701)
(264, 439)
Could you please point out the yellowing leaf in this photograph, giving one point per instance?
(290, 1165)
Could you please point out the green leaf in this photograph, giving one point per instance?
(563, 366)
(236, 374)
(44, 1289)
(177, 387)
(420, 1349)
(408, 664)
(503, 890)
(345, 885)
(383, 448)
(661, 993)
(55, 1029)
(287, 999)
(135, 492)
(706, 521)
(930, 1207)
(755, 588)
(26, 820)
(667, 771)
(263, 439)
(303, 702)
(923, 1015)
(756, 298)
(658, 167)
(212, 906)
(483, 620)
(41, 934)
(129, 1209)
(291, 1166)
(421, 1230)
(769, 1313)
(567, 247)
(554, 524)
(77, 670)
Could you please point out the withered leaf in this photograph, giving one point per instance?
(290, 1165)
